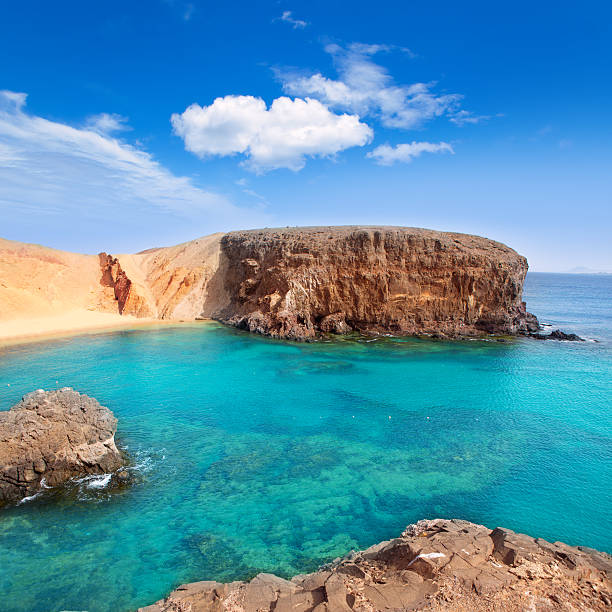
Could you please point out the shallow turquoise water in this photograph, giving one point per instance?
(258, 455)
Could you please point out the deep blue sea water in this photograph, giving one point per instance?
(259, 455)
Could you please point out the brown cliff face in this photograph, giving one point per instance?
(441, 564)
(297, 283)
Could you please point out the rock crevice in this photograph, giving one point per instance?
(129, 300)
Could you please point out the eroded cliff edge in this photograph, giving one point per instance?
(434, 565)
(299, 282)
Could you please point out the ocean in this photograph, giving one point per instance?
(251, 454)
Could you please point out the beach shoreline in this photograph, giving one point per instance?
(77, 323)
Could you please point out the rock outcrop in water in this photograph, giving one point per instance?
(297, 283)
(434, 565)
(52, 436)
(557, 334)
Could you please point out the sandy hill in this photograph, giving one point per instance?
(38, 281)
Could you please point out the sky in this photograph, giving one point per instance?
(126, 125)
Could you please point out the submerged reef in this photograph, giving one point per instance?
(434, 565)
(50, 437)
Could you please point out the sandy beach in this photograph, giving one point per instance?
(76, 322)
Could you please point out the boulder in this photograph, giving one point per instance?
(52, 436)
(559, 335)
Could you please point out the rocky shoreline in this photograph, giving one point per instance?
(434, 565)
(51, 437)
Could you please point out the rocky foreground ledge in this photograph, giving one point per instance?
(52, 436)
(434, 565)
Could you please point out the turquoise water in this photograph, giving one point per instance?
(258, 455)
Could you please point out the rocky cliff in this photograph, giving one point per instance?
(296, 283)
(129, 297)
(301, 282)
(433, 565)
(182, 281)
(52, 436)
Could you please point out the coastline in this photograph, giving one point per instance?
(24, 331)
(436, 565)
(76, 323)
(207, 364)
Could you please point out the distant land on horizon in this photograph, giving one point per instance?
(585, 270)
(577, 271)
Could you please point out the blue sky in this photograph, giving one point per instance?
(126, 125)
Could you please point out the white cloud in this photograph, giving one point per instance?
(547, 129)
(279, 137)
(9, 156)
(107, 123)
(463, 117)
(243, 183)
(287, 17)
(48, 166)
(386, 155)
(366, 88)
(185, 9)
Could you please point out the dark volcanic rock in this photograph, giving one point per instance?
(434, 565)
(558, 335)
(52, 436)
(297, 283)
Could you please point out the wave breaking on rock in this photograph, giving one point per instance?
(50, 437)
